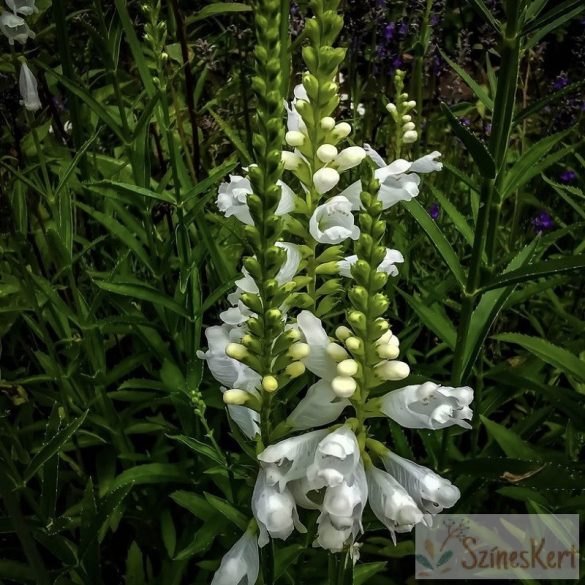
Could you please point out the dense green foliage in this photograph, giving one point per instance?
(117, 462)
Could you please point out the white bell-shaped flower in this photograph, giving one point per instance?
(275, 511)
(288, 460)
(286, 273)
(319, 407)
(24, 7)
(301, 488)
(333, 222)
(431, 492)
(329, 537)
(348, 158)
(325, 179)
(318, 361)
(15, 28)
(428, 406)
(232, 199)
(336, 458)
(387, 265)
(391, 503)
(29, 89)
(241, 564)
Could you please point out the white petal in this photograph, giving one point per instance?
(318, 361)
(293, 258)
(427, 163)
(378, 160)
(287, 199)
(395, 189)
(319, 407)
(241, 564)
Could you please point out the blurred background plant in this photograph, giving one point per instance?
(117, 463)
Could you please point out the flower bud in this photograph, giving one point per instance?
(299, 350)
(343, 332)
(294, 138)
(274, 314)
(347, 368)
(269, 384)
(326, 153)
(327, 123)
(349, 157)
(336, 352)
(343, 386)
(293, 334)
(407, 118)
(357, 319)
(354, 344)
(410, 137)
(341, 130)
(411, 104)
(235, 397)
(391, 108)
(236, 351)
(388, 351)
(325, 179)
(408, 126)
(290, 160)
(295, 369)
(392, 370)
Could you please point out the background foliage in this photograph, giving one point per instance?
(117, 463)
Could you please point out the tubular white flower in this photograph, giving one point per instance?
(241, 564)
(429, 406)
(391, 503)
(349, 157)
(329, 537)
(28, 89)
(431, 492)
(318, 361)
(320, 406)
(333, 222)
(336, 458)
(24, 7)
(289, 459)
(275, 511)
(325, 179)
(387, 265)
(232, 199)
(392, 370)
(15, 28)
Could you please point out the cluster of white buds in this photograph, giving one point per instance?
(401, 116)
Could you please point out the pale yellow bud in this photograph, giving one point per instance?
(347, 368)
(392, 370)
(343, 332)
(337, 352)
(295, 369)
(408, 126)
(407, 118)
(391, 108)
(294, 138)
(343, 386)
(326, 153)
(236, 351)
(299, 350)
(353, 343)
(410, 137)
(235, 397)
(342, 130)
(388, 351)
(327, 123)
(269, 384)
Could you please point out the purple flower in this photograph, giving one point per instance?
(567, 176)
(465, 121)
(434, 211)
(561, 81)
(435, 19)
(389, 31)
(542, 222)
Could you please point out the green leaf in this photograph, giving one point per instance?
(438, 240)
(547, 352)
(127, 189)
(364, 571)
(196, 504)
(227, 510)
(454, 214)
(480, 93)
(537, 270)
(52, 447)
(135, 574)
(150, 473)
(233, 137)
(482, 9)
(198, 447)
(219, 8)
(512, 445)
(477, 149)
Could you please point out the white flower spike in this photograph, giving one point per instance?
(333, 222)
(428, 406)
(241, 564)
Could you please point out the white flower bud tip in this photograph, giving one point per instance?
(294, 138)
(408, 126)
(392, 370)
(391, 108)
(388, 351)
(343, 386)
(326, 153)
(295, 369)
(325, 179)
(343, 332)
(290, 160)
(236, 351)
(293, 334)
(411, 104)
(336, 352)
(407, 118)
(342, 130)
(353, 343)
(410, 137)
(235, 397)
(347, 368)
(327, 123)
(349, 158)
(269, 384)
(299, 350)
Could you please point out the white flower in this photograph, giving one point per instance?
(333, 222)
(427, 163)
(320, 406)
(318, 361)
(336, 458)
(15, 28)
(248, 420)
(275, 511)
(28, 89)
(387, 265)
(286, 273)
(428, 406)
(349, 157)
(226, 370)
(26, 7)
(241, 564)
(288, 460)
(325, 179)
(295, 122)
(232, 199)
(391, 503)
(341, 511)
(431, 492)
